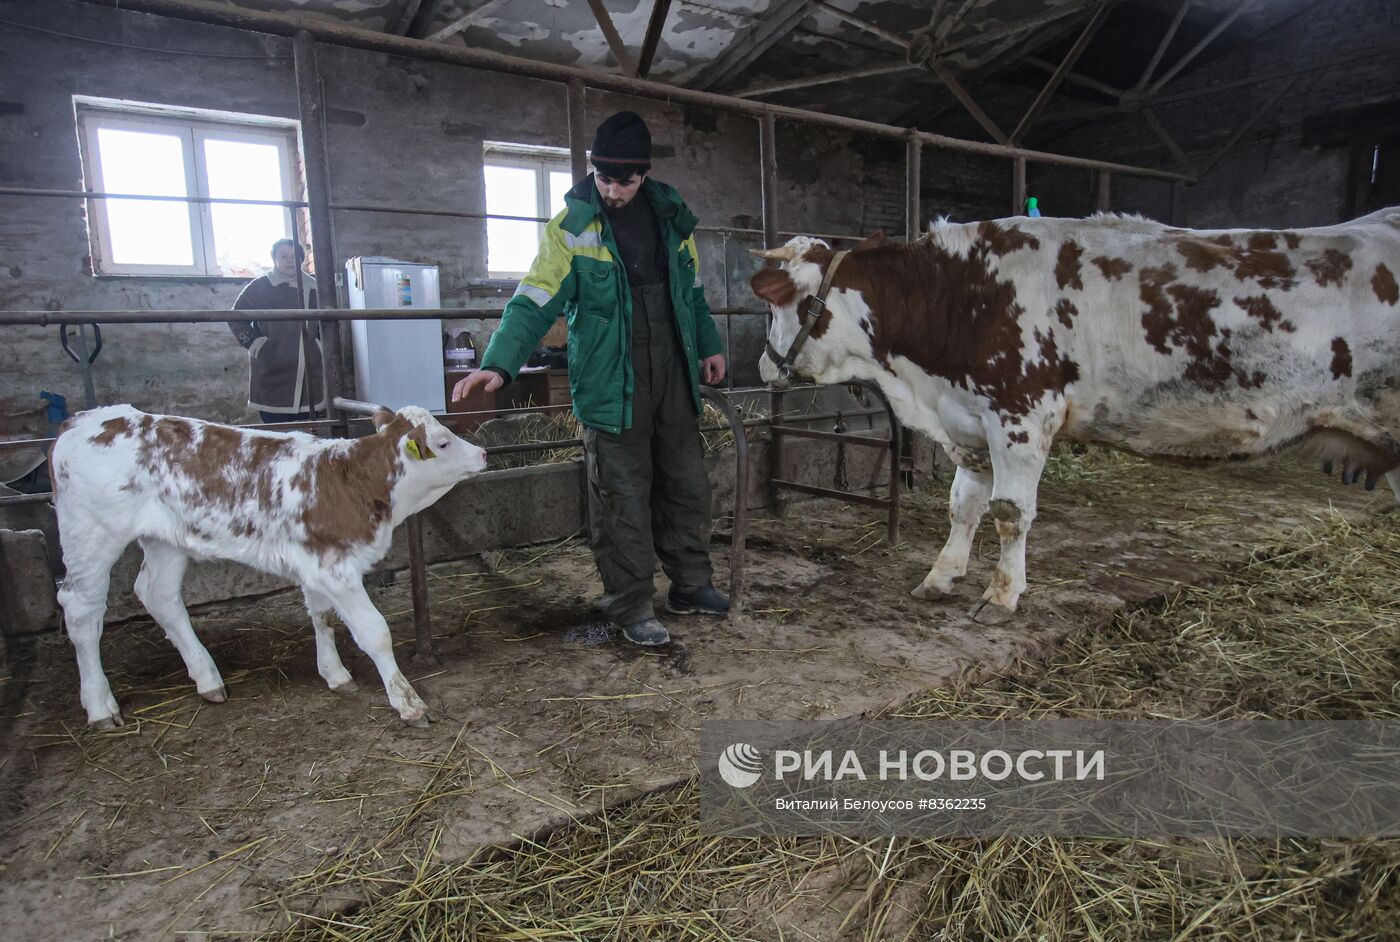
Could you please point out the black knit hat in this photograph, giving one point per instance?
(623, 143)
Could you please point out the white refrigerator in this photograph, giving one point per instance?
(397, 362)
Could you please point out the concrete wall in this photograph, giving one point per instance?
(402, 132)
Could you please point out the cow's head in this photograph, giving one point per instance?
(790, 290)
(432, 459)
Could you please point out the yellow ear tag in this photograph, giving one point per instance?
(415, 452)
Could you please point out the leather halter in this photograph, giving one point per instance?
(785, 361)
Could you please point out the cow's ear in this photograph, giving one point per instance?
(381, 418)
(871, 241)
(417, 444)
(774, 285)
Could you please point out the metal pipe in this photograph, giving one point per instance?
(768, 178)
(96, 194)
(45, 318)
(1166, 41)
(339, 34)
(826, 78)
(311, 109)
(1018, 187)
(43, 498)
(1058, 76)
(1196, 50)
(359, 208)
(775, 454)
(893, 39)
(896, 452)
(424, 652)
(913, 188)
(577, 109)
(846, 438)
(739, 537)
(831, 492)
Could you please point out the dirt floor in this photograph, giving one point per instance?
(198, 820)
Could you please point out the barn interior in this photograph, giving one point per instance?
(426, 142)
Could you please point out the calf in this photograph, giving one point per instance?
(996, 338)
(317, 511)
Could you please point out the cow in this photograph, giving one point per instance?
(998, 337)
(319, 512)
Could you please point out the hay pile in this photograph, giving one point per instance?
(1309, 629)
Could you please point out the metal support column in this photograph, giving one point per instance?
(1018, 187)
(768, 190)
(913, 166)
(1103, 191)
(739, 539)
(775, 451)
(424, 652)
(578, 131)
(768, 178)
(311, 110)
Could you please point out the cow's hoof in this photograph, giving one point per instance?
(935, 589)
(217, 695)
(348, 687)
(418, 722)
(106, 723)
(988, 612)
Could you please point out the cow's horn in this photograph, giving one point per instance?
(785, 253)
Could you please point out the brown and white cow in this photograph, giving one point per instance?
(996, 338)
(317, 511)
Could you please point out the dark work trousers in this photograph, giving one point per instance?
(648, 496)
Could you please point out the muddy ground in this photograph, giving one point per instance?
(198, 820)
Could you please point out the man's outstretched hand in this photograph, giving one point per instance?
(488, 378)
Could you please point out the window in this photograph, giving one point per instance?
(154, 151)
(521, 181)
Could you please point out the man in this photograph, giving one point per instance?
(284, 357)
(619, 262)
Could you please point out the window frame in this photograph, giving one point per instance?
(543, 160)
(194, 127)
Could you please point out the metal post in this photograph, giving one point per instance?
(913, 187)
(311, 109)
(741, 495)
(775, 451)
(896, 450)
(1018, 187)
(768, 189)
(424, 653)
(1104, 191)
(896, 467)
(578, 131)
(768, 178)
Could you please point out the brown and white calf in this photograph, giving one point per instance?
(996, 338)
(317, 511)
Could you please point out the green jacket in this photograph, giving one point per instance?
(578, 273)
